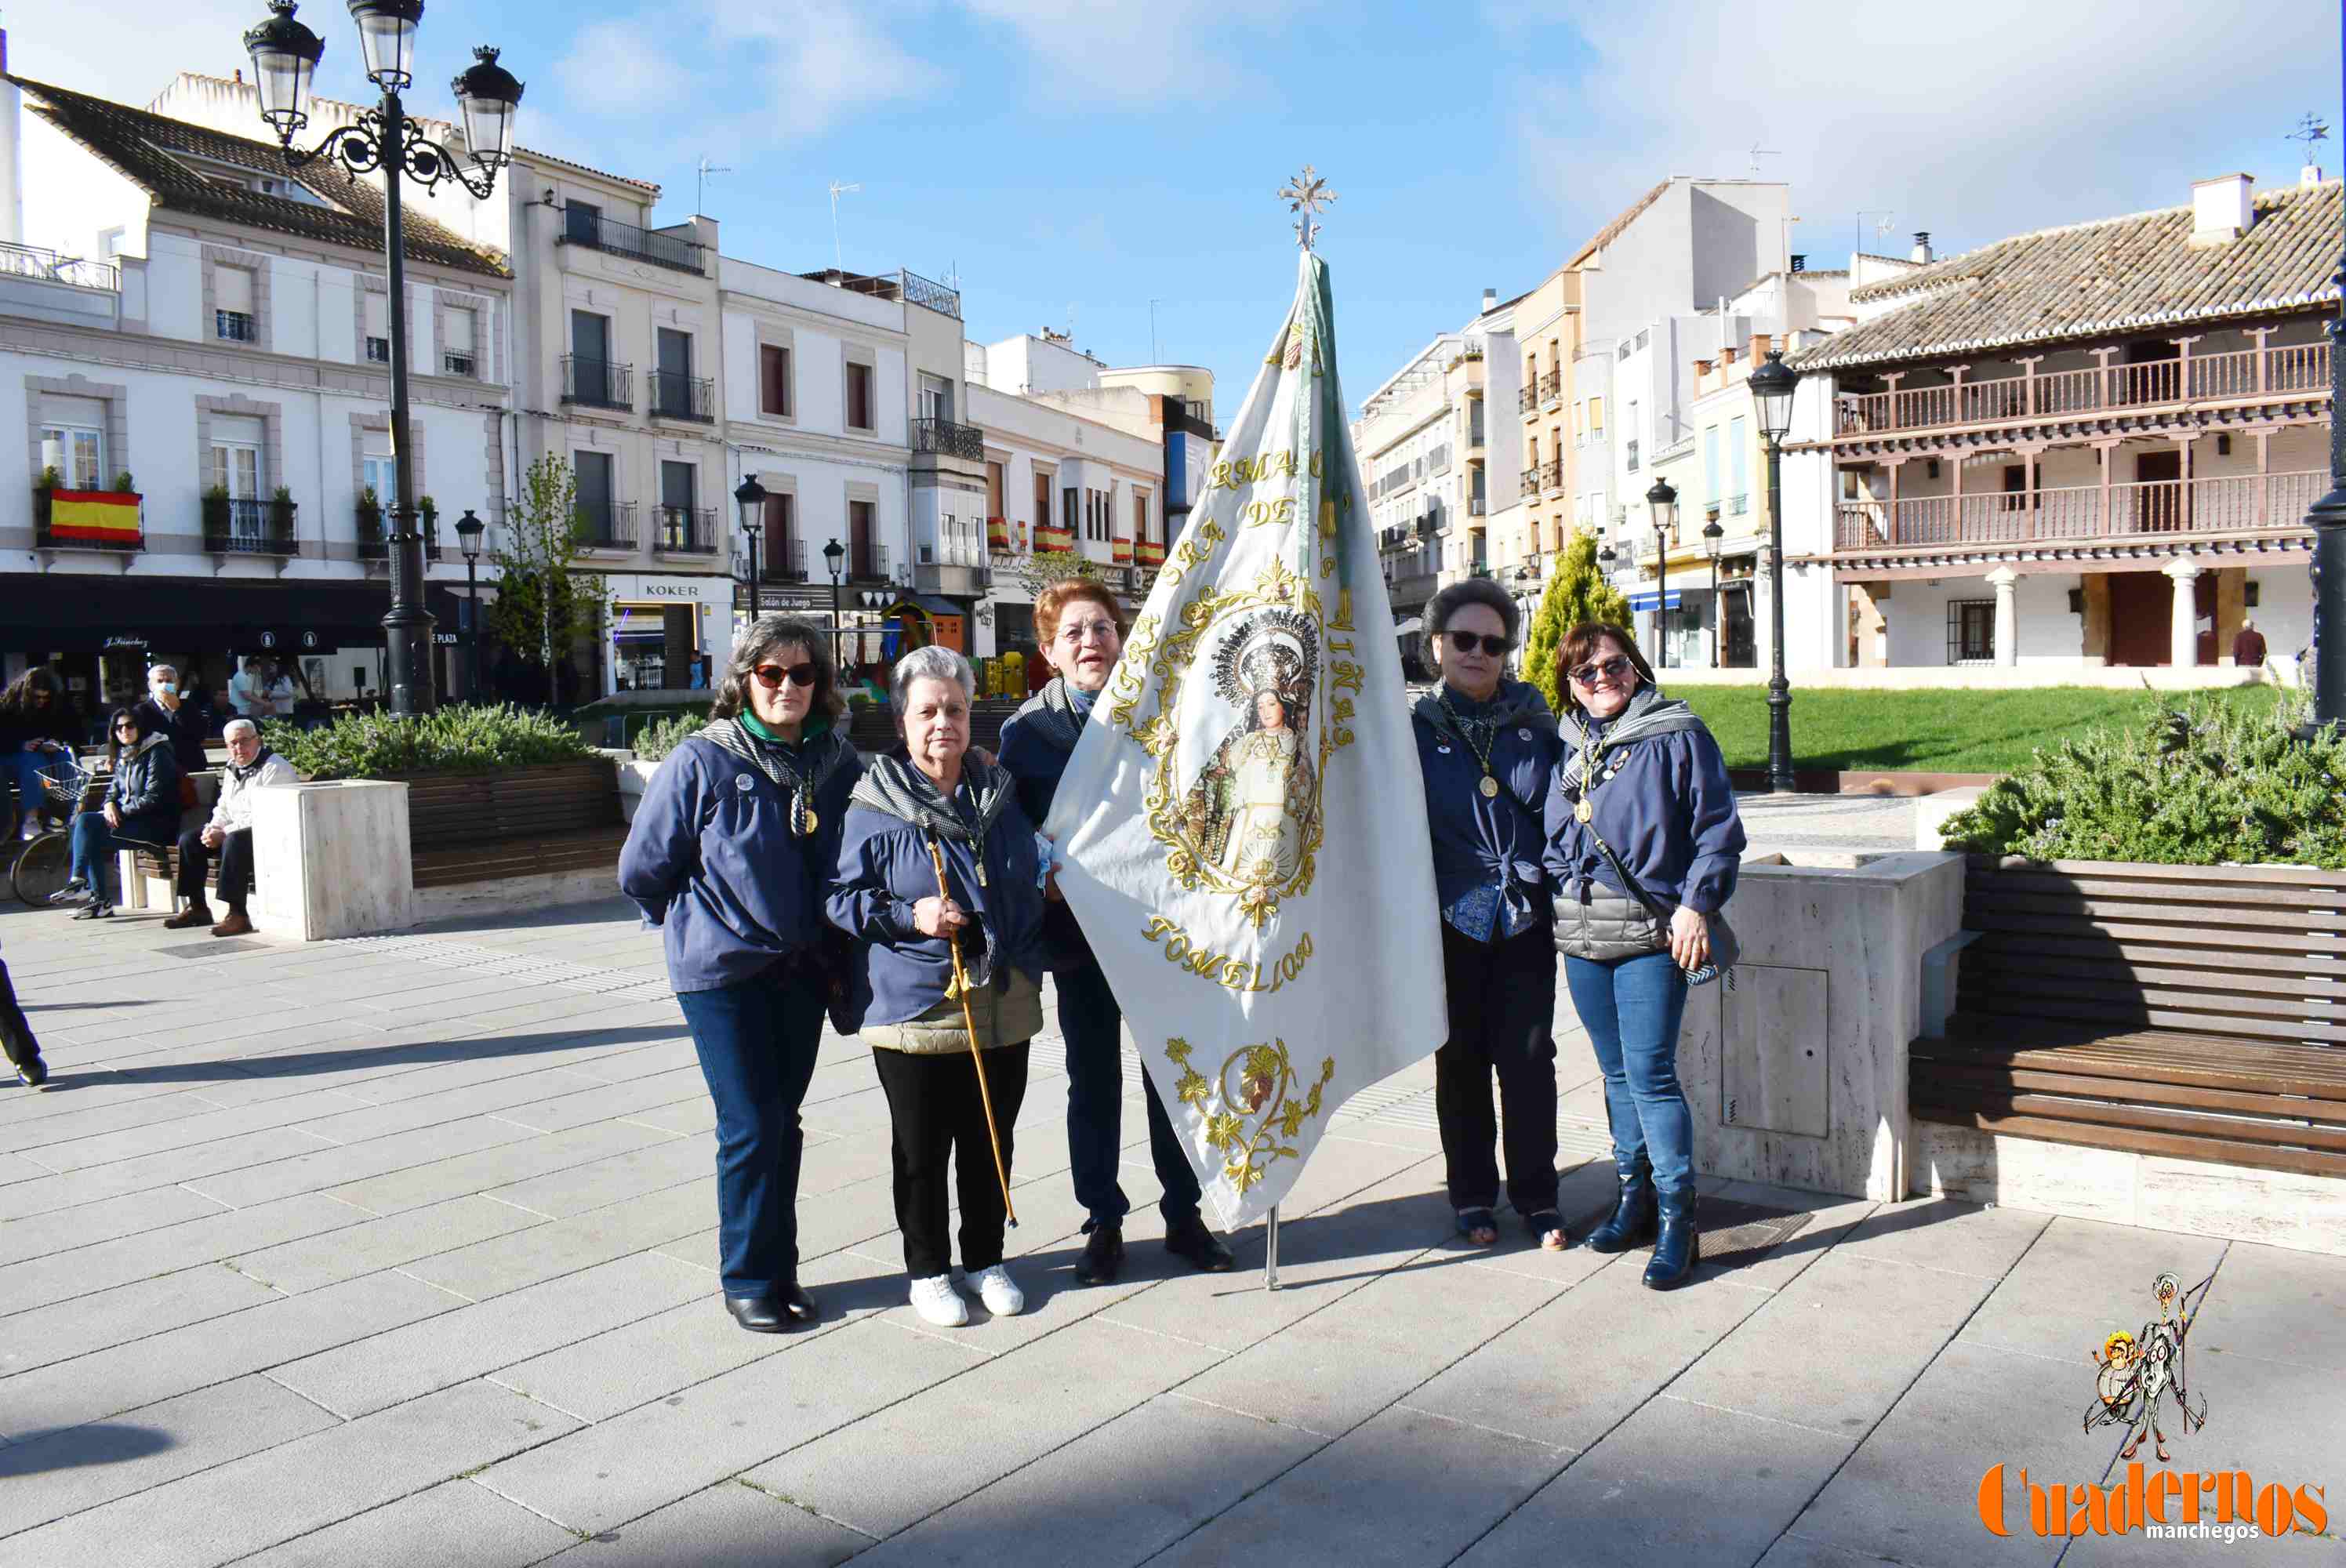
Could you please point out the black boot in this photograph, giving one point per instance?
(1632, 1224)
(1679, 1247)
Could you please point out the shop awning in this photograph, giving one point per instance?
(71, 613)
(1650, 601)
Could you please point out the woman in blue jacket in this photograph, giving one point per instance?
(933, 795)
(729, 855)
(141, 809)
(1643, 848)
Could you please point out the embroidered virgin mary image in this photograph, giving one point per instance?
(1250, 811)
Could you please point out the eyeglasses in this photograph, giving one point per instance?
(1466, 642)
(772, 676)
(1087, 631)
(125, 728)
(1613, 668)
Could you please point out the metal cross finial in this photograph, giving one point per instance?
(1305, 195)
(2310, 133)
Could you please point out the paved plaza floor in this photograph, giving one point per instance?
(401, 1250)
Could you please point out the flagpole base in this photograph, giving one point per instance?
(1271, 1249)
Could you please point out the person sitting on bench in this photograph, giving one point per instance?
(251, 766)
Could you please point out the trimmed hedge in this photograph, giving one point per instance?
(451, 740)
(663, 736)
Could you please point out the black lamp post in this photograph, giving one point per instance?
(2328, 519)
(1711, 535)
(835, 555)
(285, 56)
(469, 530)
(750, 497)
(1772, 385)
(1662, 500)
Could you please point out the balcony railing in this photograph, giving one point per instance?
(2296, 369)
(597, 384)
(1530, 481)
(2157, 507)
(784, 561)
(234, 327)
(676, 395)
(867, 562)
(81, 532)
(1475, 505)
(684, 530)
(251, 527)
(598, 232)
(1552, 474)
(1527, 398)
(374, 538)
(1737, 505)
(946, 438)
(1550, 387)
(607, 524)
(461, 365)
(33, 261)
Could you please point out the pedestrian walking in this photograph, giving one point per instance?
(36, 724)
(730, 854)
(939, 880)
(16, 1040)
(1076, 627)
(1643, 847)
(141, 811)
(1487, 748)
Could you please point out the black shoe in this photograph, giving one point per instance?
(779, 1312)
(1633, 1220)
(33, 1073)
(1189, 1238)
(1103, 1256)
(1678, 1245)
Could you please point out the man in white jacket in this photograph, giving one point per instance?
(250, 767)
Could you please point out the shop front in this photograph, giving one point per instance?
(660, 630)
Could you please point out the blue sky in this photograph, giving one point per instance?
(1093, 155)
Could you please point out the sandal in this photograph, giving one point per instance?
(1478, 1226)
(1547, 1229)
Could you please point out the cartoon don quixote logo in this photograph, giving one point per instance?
(2139, 1372)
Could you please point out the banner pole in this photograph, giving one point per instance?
(1271, 1249)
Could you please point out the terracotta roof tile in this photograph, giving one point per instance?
(2111, 276)
(520, 152)
(140, 146)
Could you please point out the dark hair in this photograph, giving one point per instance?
(1052, 602)
(1472, 591)
(766, 633)
(114, 741)
(18, 698)
(1579, 644)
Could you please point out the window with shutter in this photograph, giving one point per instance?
(458, 328)
(232, 312)
(774, 380)
(858, 397)
(377, 307)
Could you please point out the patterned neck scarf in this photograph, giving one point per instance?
(1648, 713)
(893, 784)
(800, 772)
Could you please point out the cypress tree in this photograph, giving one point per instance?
(1576, 592)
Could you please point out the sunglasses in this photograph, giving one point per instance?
(772, 676)
(1466, 643)
(125, 728)
(1613, 668)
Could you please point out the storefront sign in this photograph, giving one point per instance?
(125, 641)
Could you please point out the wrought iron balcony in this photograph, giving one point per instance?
(679, 396)
(597, 384)
(1526, 399)
(1552, 475)
(685, 530)
(1530, 482)
(1550, 387)
(946, 438)
(596, 232)
(250, 526)
(34, 261)
(606, 524)
(48, 535)
(374, 538)
(784, 561)
(867, 562)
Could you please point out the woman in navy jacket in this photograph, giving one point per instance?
(141, 809)
(1486, 746)
(934, 794)
(729, 855)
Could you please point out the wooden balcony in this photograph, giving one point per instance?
(2164, 508)
(2297, 369)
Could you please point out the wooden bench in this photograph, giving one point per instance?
(525, 821)
(2193, 1013)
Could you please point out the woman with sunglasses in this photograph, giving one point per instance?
(141, 810)
(1486, 746)
(1641, 821)
(729, 855)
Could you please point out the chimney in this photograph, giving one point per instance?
(1922, 252)
(2221, 208)
(1800, 262)
(1490, 300)
(2310, 175)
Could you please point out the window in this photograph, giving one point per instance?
(1739, 448)
(784, 561)
(1971, 631)
(236, 468)
(864, 549)
(1067, 504)
(860, 414)
(1710, 466)
(1042, 502)
(459, 326)
(379, 472)
(232, 312)
(774, 380)
(936, 397)
(581, 221)
(1597, 418)
(77, 452)
(1139, 517)
(994, 490)
(377, 308)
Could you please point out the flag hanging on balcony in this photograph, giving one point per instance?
(1242, 823)
(94, 517)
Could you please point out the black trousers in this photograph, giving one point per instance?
(1502, 999)
(934, 1103)
(15, 1035)
(235, 867)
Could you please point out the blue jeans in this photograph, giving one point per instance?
(1631, 1009)
(757, 1044)
(94, 847)
(29, 769)
(1093, 1026)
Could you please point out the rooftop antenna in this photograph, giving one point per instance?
(836, 190)
(1154, 358)
(1757, 154)
(701, 186)
(1885, 213)
(952, 280)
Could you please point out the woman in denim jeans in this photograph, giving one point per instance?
(1641, 819)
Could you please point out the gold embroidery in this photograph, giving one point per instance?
(1232, 973)
(1265, 1091)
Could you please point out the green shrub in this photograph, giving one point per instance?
(2201, 784)
(662, 735)
(451, 740)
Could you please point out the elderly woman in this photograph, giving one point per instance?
(1487, 748)
(729, 855)
(1643, 846)
(141, 810)
(935, 798)
(1075, 625)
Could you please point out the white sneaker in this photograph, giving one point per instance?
(1000, 1292)
(938, 1302)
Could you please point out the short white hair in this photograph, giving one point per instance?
(233, 724)
(931, 662)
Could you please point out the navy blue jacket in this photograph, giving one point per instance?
(1476, 841)
(895, 973)
(1670, 815)
(712, 861)
(1031, 758)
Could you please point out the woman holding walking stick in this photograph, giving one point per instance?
(939, 879)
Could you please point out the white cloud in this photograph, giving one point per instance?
(620, 66)
(1141, 53)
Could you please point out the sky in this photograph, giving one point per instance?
(1071, 161)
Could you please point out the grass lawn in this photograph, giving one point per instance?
(1928, 731)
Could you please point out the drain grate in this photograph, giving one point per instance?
(211, 949)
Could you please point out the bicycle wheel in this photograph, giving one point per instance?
(44, 868)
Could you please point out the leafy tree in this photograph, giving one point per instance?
(544, 602)
(1045, 567)
(1576, 592)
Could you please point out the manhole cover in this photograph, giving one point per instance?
(1734, 1233)
(211, 949)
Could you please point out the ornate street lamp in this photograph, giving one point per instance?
(1662, 502)
(835, 555)
(1772, 385)
(1711, 535)
(750, 497)
(469, 530)
(285, 56)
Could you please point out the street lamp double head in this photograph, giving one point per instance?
(1772, 386)
(285, 56)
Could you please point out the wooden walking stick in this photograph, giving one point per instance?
(969, 1024)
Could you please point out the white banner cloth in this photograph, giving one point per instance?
(1243, 823)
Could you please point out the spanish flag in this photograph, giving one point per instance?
(94, 517)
